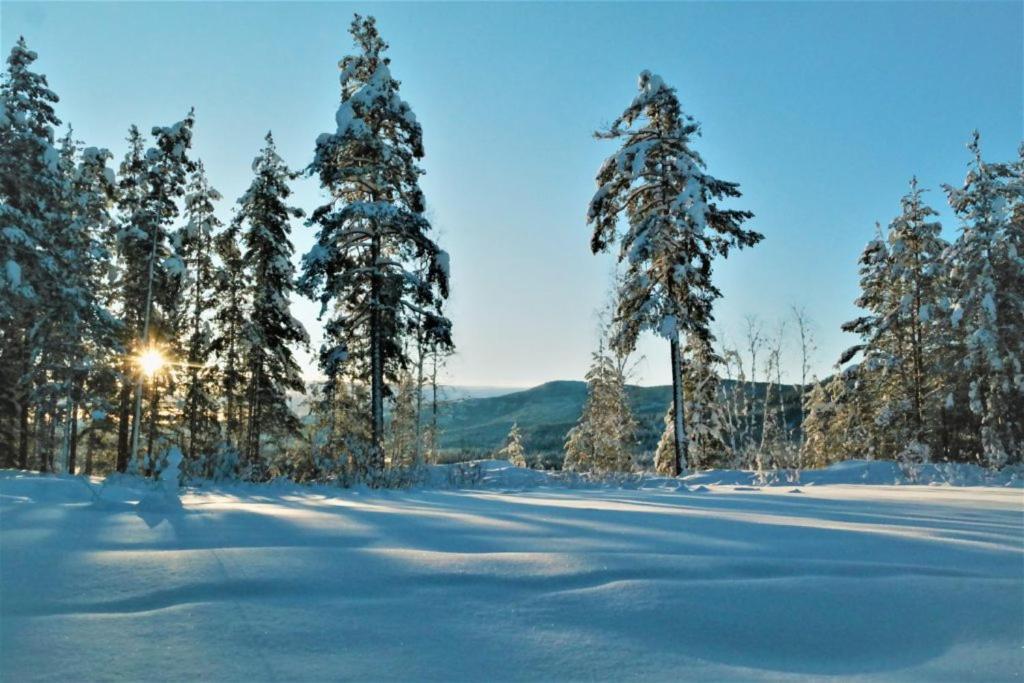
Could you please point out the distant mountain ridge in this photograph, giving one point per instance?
(547, 412)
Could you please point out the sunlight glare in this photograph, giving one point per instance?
(151, 361)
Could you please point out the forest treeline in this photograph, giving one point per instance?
(133, 322)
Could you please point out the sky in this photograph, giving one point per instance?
(821, 111)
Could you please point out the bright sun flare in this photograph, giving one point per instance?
(151, 361)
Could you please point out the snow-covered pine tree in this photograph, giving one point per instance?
(31, 190)
(676, 228)
(512, 450)
(876, 372)
(373, 235)
(706, 419)
(194, 245)
(131, 254)
(230, 315)
(916, 323)
(987, 262)
(819, 415)
(153, 285)
(271, 330)
(605, 435)
(81, 334)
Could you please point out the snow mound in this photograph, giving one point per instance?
(282, 582)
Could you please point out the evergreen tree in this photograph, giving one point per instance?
(31, 192)
(819, 416)
(372, 235)
(706, 422)
(903, 335)
(603, 438)
(194, 244)
(676, 229)
(80, 333)
(916, 323)
(132, 251)
(840, 423)
(879, 357)
(271, 330)
(988, 302)
(230, 316)
(512, 450)
(153, 291)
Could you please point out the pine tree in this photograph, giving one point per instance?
(676, 228)
(31, 187)
(132, 257)
(82, 333)
(988, 302)
(880, 360)
(152, 291)
(194, 244)
(271, 330)
(706, 425)
(603, 438)
(819, 416)
(512, 450)
(372, 235)
(231, 313)
(916, 322)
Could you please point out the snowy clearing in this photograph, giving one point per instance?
(282, 582)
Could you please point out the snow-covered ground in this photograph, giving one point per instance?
(722, 582)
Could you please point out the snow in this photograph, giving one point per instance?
(13, 273)
(722, 582)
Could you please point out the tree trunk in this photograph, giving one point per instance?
(90, 446)
(678, 408)
(23, 431)
(419, 395)
(123, 417)
(154, 404)
(252, 447)
(376, 361)
(24, 397)
(73, 442)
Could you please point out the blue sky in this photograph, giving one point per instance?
(821, 111)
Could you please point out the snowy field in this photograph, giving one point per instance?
(724, 582)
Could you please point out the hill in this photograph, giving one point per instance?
(546, 413)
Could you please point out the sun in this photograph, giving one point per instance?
(151, 361)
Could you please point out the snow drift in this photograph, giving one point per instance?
(282, 582)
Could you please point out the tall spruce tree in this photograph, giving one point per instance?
(77, 334)
(194, 244)
(904, 336)
(987, 262)
(917, 324)
(372, 235)
(31, 192)
(232, 309)
(676, 229)
(271, 331)
(131, 253)
(152, 294)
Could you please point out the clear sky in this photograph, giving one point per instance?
(821, 111)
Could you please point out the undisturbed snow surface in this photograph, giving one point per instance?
(283, 583)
